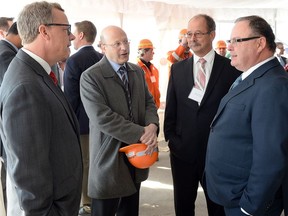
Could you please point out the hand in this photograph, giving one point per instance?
(184, 42)
(149, 137)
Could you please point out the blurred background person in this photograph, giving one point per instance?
(279, 53)
(85, 33)
(145, 56)
(181, 52)
(9, 47)
(221, 48)
(5, 23)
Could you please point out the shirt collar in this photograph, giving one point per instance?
(41, 61)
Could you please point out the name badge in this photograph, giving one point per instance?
(196, 95)
(153, 79)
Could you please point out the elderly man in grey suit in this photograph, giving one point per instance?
(119, 115)
(39, 130)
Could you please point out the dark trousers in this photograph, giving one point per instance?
(124, 206)
(274, 210)
(186, 178)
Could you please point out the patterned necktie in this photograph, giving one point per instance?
(201, 75)
(236, 82)
(124, 79)
(53, 77)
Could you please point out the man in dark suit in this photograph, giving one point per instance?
(190, 108)
(247, 156)
(85, 34)
(9, 47)
(120, 113)
(39, 129)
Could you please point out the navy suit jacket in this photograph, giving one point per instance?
(186, 124)
(75, 66)
(247, 154)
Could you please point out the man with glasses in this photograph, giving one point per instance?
(121, 112)
(247, 154)
(39, 130)
(195, 89)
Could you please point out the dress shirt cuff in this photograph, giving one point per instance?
(245, 212)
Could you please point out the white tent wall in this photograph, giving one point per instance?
(161, 22)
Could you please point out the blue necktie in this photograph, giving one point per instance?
(236, 82)
(123, 73)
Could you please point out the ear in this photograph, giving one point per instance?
(43, 31)
(261, 43)
(81, 35)
(2, 34)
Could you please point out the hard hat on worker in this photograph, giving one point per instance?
(137, 157)
(145, 43)
(182, 33)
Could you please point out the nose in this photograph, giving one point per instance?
(71, 37)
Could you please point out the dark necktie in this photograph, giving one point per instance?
(236, 82)
(53, 77)
(123, 73)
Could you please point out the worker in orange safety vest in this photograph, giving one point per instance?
(145, 55)
(182, 52)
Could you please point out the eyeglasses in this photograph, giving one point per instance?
(118, 44)
(60, 24)
(196, 34)
(234, 41)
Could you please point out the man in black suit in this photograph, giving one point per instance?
(8, 49)
(85, 34)
(193, 95)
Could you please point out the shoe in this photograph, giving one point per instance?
(85, 210)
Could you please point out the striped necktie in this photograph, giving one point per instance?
(201, 75)
(123, 73)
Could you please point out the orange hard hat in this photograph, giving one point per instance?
(145, 43)
(221, 44)
(182, 33)
(137, 157)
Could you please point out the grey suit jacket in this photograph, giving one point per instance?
(40, 134)
(104, 99)
(247, 155)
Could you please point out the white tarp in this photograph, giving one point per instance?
(161, 20)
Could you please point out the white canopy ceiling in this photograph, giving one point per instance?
(161, 20)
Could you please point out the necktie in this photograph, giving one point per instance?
(236, 82)
(53, 77)
(201, 75)
(124, 79)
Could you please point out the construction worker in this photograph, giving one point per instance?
(145, 55)
(182, 52)
(221, 48)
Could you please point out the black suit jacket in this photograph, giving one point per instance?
(75, 66)
(7, 53)
(186, 124)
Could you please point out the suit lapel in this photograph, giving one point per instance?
(245, 84)
(39, 70)
(215, 73)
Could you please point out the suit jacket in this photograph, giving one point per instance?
(75, 65)
(186, 124)
(7, 53)
(104, 98)
(40, 134)
(247, 155)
